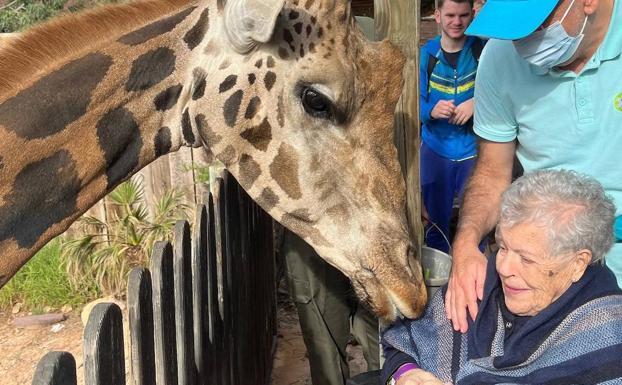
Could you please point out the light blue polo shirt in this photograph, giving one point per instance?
(560, 119)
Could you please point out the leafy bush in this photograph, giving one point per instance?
(43, 281)
(106, 252)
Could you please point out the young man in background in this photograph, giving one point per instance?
(448, 149)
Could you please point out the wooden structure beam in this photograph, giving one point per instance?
(398, 20)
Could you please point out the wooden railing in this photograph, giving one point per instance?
(203, 313)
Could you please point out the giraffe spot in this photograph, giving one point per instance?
(253, 107)
(327, 186)
(249, 171)
(162, 142)
(259, 136)
(313, 20)
(311, 47)
(119, 138)
(298, 27)
(302, 51)
(54, 101)
(381, 193)
(228, 83)
(1, 162)
(211, 48)
(150, 69)
(288, 37)
(327, 55)
(320, 32)
(284, 170)
(301, 215)
(227, 156)
(293, 15)
(304, 230)
(195, 35)
(166, 99)
(308, 4)
(283, 54)
(269, 80)
(268, 199)
(186, 128)
(251, 79)
(209, 136)
(259, 63)
(339, 212)
(44, 193)
(270, 62)
(155, 29)
(309, 30)
(280, 118)
(225, 64)
(232, 107)
(329, 25)
(199, 83)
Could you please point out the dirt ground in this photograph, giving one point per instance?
(23, 348)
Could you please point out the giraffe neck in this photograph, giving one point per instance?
(73, 129)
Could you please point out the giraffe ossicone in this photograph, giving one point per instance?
(288, 95)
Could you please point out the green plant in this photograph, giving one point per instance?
(43, 281)
(106, 252)
(201, 171)
(17, 15)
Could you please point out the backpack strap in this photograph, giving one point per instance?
(476, 49)
(432, 60)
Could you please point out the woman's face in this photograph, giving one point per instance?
(532, 279)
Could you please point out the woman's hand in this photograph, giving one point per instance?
(419, 377)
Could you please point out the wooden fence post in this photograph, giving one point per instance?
(200, 304)
(164, 314)
(216, 326)
(182, 269)
(104, 360)
(398, 20)
(140, 308)
(56, 368)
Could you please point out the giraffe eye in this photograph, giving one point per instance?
(316, 104)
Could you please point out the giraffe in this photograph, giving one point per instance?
(287, 94)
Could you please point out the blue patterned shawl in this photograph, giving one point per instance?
(575, 340)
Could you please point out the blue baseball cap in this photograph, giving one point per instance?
(510, 19)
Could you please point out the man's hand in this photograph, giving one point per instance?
(466, 285)
(419, 377)
(444, 109)
(462, 113)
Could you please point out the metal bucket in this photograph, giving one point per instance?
(436, 266)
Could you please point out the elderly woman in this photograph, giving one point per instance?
(551, 311)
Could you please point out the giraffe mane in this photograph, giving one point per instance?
(40, 47)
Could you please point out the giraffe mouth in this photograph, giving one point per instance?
(390, 301)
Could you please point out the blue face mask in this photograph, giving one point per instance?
(551, 46)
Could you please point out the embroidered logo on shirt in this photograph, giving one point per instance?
(617, 102)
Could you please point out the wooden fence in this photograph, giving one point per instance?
(203, 313)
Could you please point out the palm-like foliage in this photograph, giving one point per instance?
(106, 252)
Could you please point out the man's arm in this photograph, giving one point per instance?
(478, 215)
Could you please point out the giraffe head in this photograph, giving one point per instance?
(287, 94)
(303, 117)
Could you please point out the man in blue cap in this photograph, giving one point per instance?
(548, 89)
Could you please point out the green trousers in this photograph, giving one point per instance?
(328, 313)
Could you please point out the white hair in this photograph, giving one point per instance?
(572, 207)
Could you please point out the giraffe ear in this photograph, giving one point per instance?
(249, 22)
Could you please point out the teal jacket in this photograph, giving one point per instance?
(446, 83)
